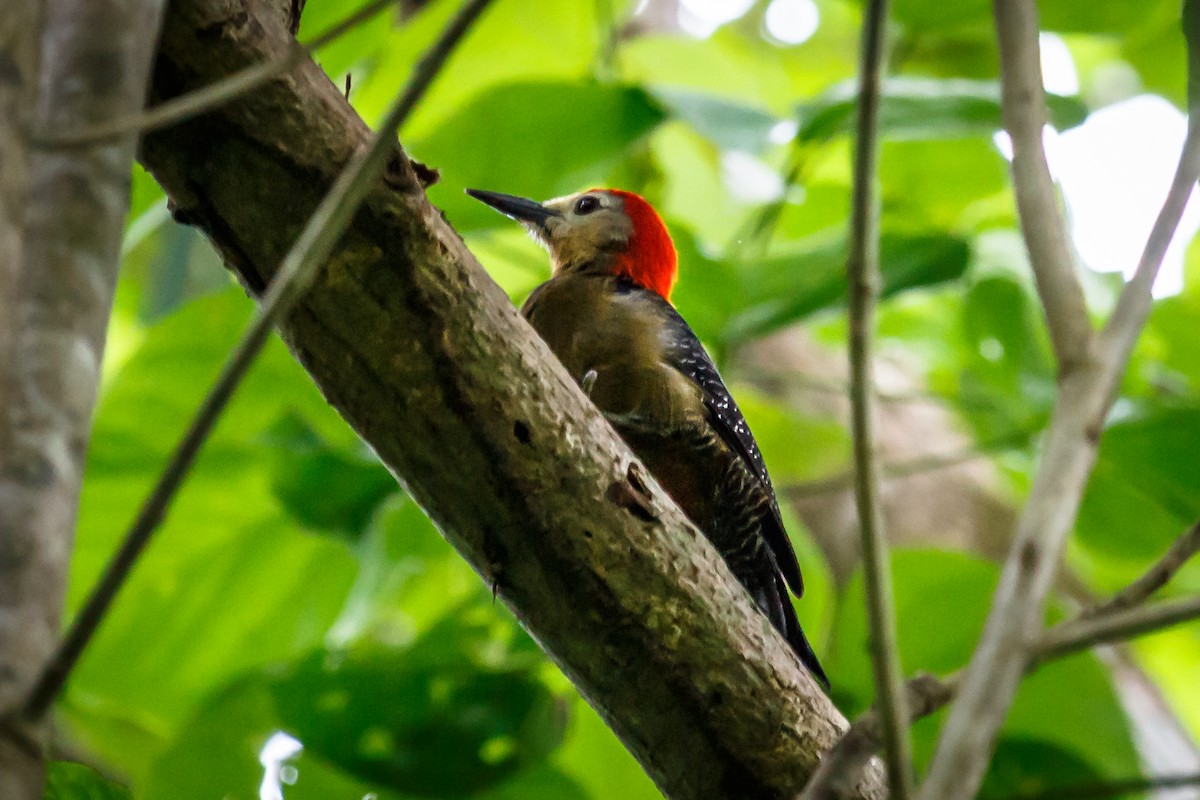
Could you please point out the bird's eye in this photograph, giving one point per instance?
(586, 204)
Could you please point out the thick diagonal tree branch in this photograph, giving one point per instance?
(225, 91)
(426, 357)
(57, 289)
(312, 249)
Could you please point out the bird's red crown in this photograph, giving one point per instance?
(649, 260)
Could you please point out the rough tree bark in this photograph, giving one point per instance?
(424, 355)
(61, 216)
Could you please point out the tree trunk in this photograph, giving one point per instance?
(61, 217)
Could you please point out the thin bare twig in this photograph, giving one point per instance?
(840, 769)
(310, 251)
(1155, 578)
(218, 94)
(1090, 370)
(1082, 634)
(1050, 253)
(862, 268)
(1125, 324)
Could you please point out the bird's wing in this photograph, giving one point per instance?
(687, 355)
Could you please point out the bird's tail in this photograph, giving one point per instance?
(786, 622)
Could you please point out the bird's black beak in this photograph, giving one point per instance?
(513, 207)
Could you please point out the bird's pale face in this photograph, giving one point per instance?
(583, 227)
(600, 231)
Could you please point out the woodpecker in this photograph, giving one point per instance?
(606, 313)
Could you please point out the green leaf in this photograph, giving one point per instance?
(1158, 49)
(709, 289)
(408, 576)
(534, 40)
(433, 731)
(357, 49)
(1169, 341)
(532, 139)
(823, 208)
(924, 15)
(923, 108)
(1002, 327)
(737, 63)
(963, 51)
(1006, 368)
(1172, 660)
(1023, 766)
(460, 710)
(691, 188)
(1094, 16)
(969, 172)
(728, 124)
(162, 265)
(925, 581)
(230, 582)
(325, 488)
(784, 289)
(217, 752)
(66, 780)
(1108, 16)
(1142, 493)
(256, 599)
(1072, 705)
(543, 782)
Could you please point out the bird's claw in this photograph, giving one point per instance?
(589, 381)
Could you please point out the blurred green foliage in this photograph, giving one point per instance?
(294, 588)
(66, 780)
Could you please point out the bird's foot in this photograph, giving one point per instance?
(589, 381)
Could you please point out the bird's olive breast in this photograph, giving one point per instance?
(592, 327)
